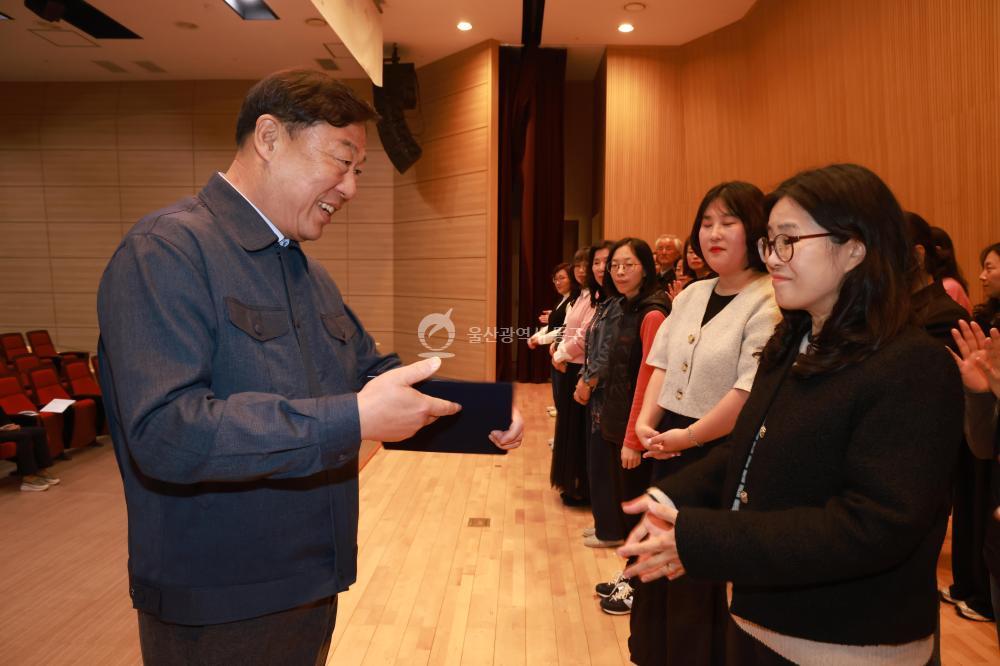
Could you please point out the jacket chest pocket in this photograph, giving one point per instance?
(262, 323)
(339, 326)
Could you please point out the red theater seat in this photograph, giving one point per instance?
(47, 388)
(81, 382)
(11, 345)
(13, 399)
(24, 364)
(42, 346)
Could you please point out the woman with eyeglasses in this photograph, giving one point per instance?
(826, 508)
(617, 469)
(704, 361)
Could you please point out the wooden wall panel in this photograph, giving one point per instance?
(908, 88)
(445, 209)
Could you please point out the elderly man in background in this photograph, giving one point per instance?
(240, 387)
(666, 251)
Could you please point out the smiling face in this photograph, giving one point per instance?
(723, 239)
(626, 271)
(990, 277)
(311, 173)
(811, 280)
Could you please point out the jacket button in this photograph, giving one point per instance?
(679, 394)
(256, 328)
(762, 432)
(684, 367)
(744, 497)
(691, 339)
(131, 592)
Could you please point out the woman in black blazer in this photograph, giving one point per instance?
(836, 477)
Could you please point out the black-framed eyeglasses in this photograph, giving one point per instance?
(782, 245)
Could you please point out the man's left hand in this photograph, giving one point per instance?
(511, 437)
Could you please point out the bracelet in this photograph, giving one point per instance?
(691, 439)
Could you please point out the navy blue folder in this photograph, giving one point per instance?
(485, 407)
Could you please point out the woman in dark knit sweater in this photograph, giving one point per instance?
(835, 479)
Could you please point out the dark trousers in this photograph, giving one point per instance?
(970, 514)
(297, 637)
(610, 485)
(32, 449)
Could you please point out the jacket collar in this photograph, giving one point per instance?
(236, 215)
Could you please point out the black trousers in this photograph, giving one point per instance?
(971, 511)
(297, 637)
(32, 449)
(610, 485)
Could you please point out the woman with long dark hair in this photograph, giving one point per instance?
(834, 482)
(569, 452)
(704, 360)
(589, 388)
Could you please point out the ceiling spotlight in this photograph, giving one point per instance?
(464, 26)
(626, 27)
(634, 7)
(315, 22)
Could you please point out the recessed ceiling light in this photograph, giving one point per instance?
(315, 22)
(464, 26)
(186, 25)
(626, 27)
(634, 7)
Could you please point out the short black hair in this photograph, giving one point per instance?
(300, 98)
(746, 202)
(597, 291)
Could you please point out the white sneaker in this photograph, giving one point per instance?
(35, 485)
(593, 542)
(590, 531)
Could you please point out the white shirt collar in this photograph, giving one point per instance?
(282, 241)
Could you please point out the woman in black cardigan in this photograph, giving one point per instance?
(835, 479)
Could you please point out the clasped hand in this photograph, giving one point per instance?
(653, 541)
(661, 446)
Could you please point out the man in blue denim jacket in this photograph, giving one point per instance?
(238, 392)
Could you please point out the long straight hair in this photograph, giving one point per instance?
(873, 306)
(597, 290)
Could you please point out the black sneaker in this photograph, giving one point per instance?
(620, 601)
(605, 590)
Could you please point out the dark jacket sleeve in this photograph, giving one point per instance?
(155, 304)
(895, 480)
(698, 485)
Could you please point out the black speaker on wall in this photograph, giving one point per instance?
(397, 94)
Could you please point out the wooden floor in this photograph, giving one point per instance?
(431, 588)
